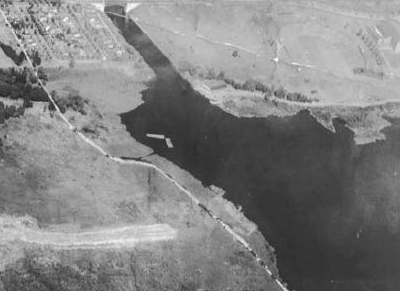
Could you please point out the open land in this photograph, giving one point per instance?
(61, 201)
(70, 216)
(308, 55)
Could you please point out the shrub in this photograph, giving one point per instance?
(33, 79)
(221, 76)
(74, 102)
(20, 76)
(13, 111)
(11, 53)
(2, 113)
(16, 93)
(249, 85)
(280, 93)
(38, 94)
(211, 74)
(36, 60)
(5, 90)
(77, 103)
(42, 75)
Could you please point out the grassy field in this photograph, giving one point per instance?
(310, 49)
(318, 50)
(207, 39)
(48, 173)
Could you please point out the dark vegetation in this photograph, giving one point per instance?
(21, 28)
(249, 85)
(369, 73)
(19, 84)
(7, 112)
(269, 91)
(72, 101)
(18, 59)
(22, 84)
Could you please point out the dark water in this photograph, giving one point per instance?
(330, 208)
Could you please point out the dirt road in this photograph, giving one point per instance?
(102, 238)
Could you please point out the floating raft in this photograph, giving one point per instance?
(156, 136)
(169, 143)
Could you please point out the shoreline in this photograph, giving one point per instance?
(365, 120)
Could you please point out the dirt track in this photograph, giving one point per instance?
(102, 238)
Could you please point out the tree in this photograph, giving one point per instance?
(41, 74)
(2, 113)
(221, 76)
(211, 74)
(36, 60)
(268, 92)
(39, 95)
(5, 90)
(280, 93)
(249, 85)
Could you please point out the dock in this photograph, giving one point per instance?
(169, 143)
(156, 136)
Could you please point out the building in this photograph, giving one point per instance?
(213, 85)
(373, 33)
(389, 36)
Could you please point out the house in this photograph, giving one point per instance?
(389, 36)
(213, 85)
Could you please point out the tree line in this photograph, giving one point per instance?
(18, 83)
(249, 85)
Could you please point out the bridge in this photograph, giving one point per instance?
(100, 5)
(128, 5)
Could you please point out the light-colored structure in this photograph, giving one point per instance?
(169, 143)
(156, 136)
(212, 85)
(389, 36)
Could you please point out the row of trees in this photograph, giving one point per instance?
(21, 76)
(281, 93)
(22, 84)
(18, 83)
(269, 91)
(18, 59)
(249, 85)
